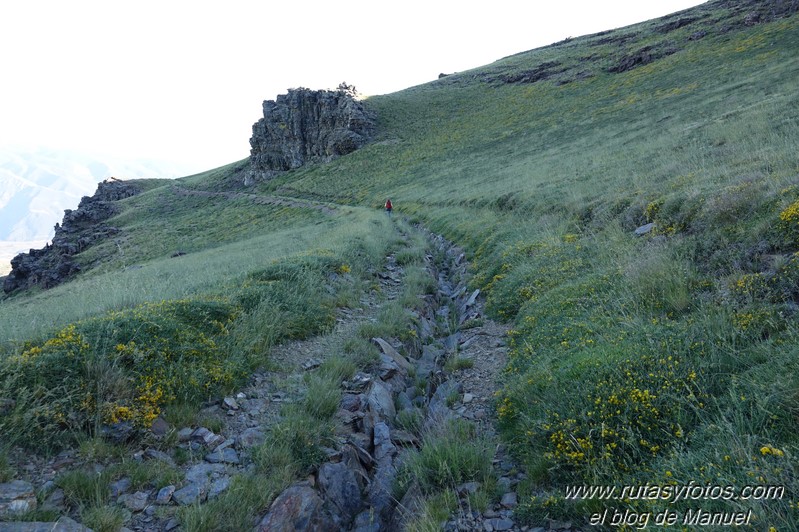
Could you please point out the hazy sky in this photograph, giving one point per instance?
(184, 80)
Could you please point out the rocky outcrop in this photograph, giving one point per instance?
(80, 229)
(307, 126)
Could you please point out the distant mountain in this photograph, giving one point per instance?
(37, 185)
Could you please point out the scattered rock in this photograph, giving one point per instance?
(380, 401)
(201, 473)
(17, 497)
(339, 485)
(119, 487)
(250, 438)
(352, 402)
(644, 229)
(509, 500)
(467, 488)
(498, 523)
(388, 368)
(225, 456)
(118, 433)
(161, 456)
(165, 495)
(218, 486)
(55, 500)
(160, 427)
(311, 364)
(299, 507)
(389, 351)
(135, 502)
(230, 403)
(190, 494)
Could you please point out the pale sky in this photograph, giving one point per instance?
(184, 80)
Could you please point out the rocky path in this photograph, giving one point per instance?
(353, 490)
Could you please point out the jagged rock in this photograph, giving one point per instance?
(218, 486)
(366, 521)
(207, 437)
(79, 230)
(135, 502)
(160, 427)
(339, 485)
(230, 403)
(352, 402)
(644, 229)
(509, 500)
(403, 401)
(224, 456)
(118, 433)
(467, 488)
(165, 495)
(389, 351)
(427, 362)
(120, 486)
(498, 523)
(299, 507)
(250, 438)
(184, 434)
(642, 57)
(201, 473)
(306, 125)
(17, 497)
(55, 500)
(190, 494)
(388, 368)
(380, 401)
(384, 448)
(161, 456)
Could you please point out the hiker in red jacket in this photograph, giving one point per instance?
(388, 207)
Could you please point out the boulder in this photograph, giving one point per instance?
(298, 508)
(17, 497)
(339, 485)
(307, 126)
(380, 401)
(189, 494)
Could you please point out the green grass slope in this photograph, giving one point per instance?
(663, 359)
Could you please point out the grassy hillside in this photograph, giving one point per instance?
(658, 359)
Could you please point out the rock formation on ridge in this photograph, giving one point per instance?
(307, 125)
(79, 229)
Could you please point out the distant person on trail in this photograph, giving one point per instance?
(389, 207)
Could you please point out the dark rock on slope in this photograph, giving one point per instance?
(307, 126)
(79, 230)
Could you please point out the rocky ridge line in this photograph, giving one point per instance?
(79, 230)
